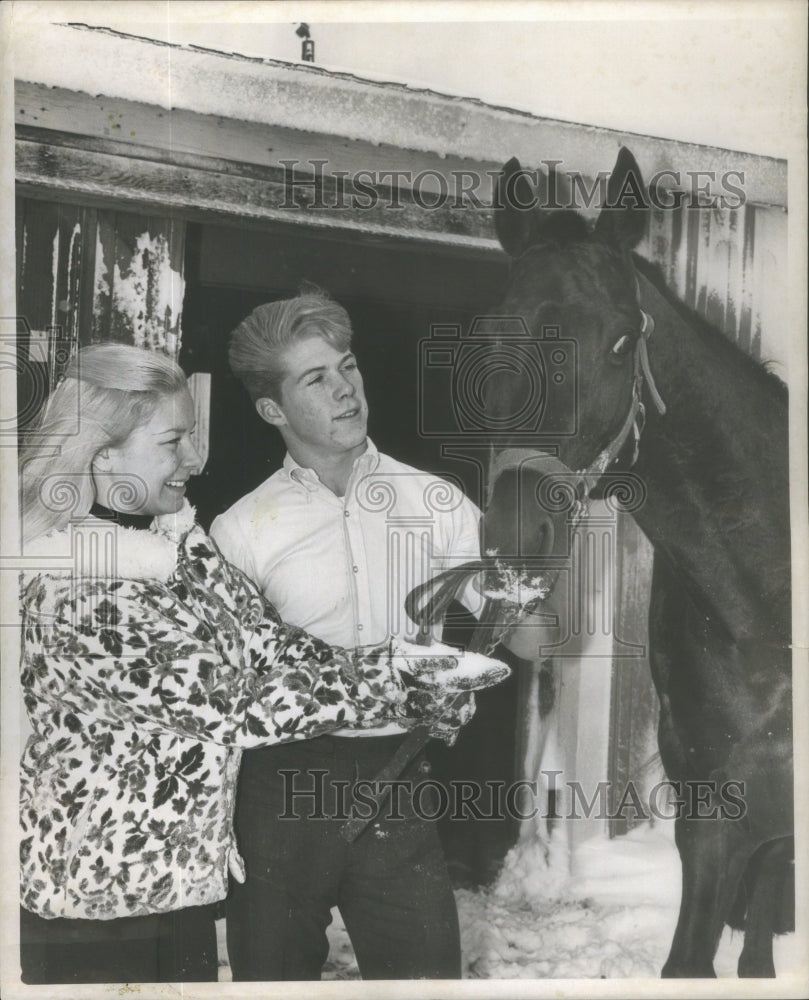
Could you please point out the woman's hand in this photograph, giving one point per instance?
(445, 669)
(435, 682)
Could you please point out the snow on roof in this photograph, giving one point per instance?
(101, 61)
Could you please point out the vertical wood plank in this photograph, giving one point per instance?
(147, 285)
(84, 294)
(735, 278)
(700, 247)
(634, 705)
(100, 326)
(769, 302)
(716, 272)
(679, 250)
(35, 281)
(745, 337)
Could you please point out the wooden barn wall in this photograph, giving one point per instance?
(86, 275)
(728, 264)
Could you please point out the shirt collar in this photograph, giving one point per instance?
(364, 465)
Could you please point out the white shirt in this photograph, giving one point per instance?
(341, 567)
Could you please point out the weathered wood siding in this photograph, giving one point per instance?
(729, 264)
(86, 275)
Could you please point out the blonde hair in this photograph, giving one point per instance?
(258, 342)
(108, 390)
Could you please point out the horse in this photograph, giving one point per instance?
(705, 430)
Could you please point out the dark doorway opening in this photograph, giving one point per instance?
(394, 294)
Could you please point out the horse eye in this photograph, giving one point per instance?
(621, 346)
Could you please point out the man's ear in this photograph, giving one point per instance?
(270, 411)
(101, 458)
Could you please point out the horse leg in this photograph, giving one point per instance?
(768, 874)
(713, 864)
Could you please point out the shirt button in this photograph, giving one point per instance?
(346, 513)
(359, 628)
(356, 569)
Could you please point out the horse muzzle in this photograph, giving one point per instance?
(532, 502)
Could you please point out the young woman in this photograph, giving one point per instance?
(148, 663)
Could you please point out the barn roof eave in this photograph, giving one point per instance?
(332, 103)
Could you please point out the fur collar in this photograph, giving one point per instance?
(145, 554)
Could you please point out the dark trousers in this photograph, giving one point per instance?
(177, 947)
(390, 885)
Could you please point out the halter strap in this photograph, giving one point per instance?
(643, 350)
(636, 416)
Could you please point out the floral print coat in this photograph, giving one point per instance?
(142, 685)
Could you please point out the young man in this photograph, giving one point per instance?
(336, 539)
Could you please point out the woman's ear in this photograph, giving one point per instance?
(270, 411)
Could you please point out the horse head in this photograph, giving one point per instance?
(575, 289)
(524, 551)
(560, 382)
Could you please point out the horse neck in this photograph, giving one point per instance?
(716, 465)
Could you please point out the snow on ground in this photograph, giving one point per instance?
(611, 917)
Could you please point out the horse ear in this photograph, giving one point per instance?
(514, 215)
(622, 220)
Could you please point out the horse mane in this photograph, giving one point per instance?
(767, 378)
(566, 229)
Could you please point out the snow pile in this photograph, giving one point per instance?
(611, 918)
(534, 871)
(341, 963)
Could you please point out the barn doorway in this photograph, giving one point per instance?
(394, 292)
